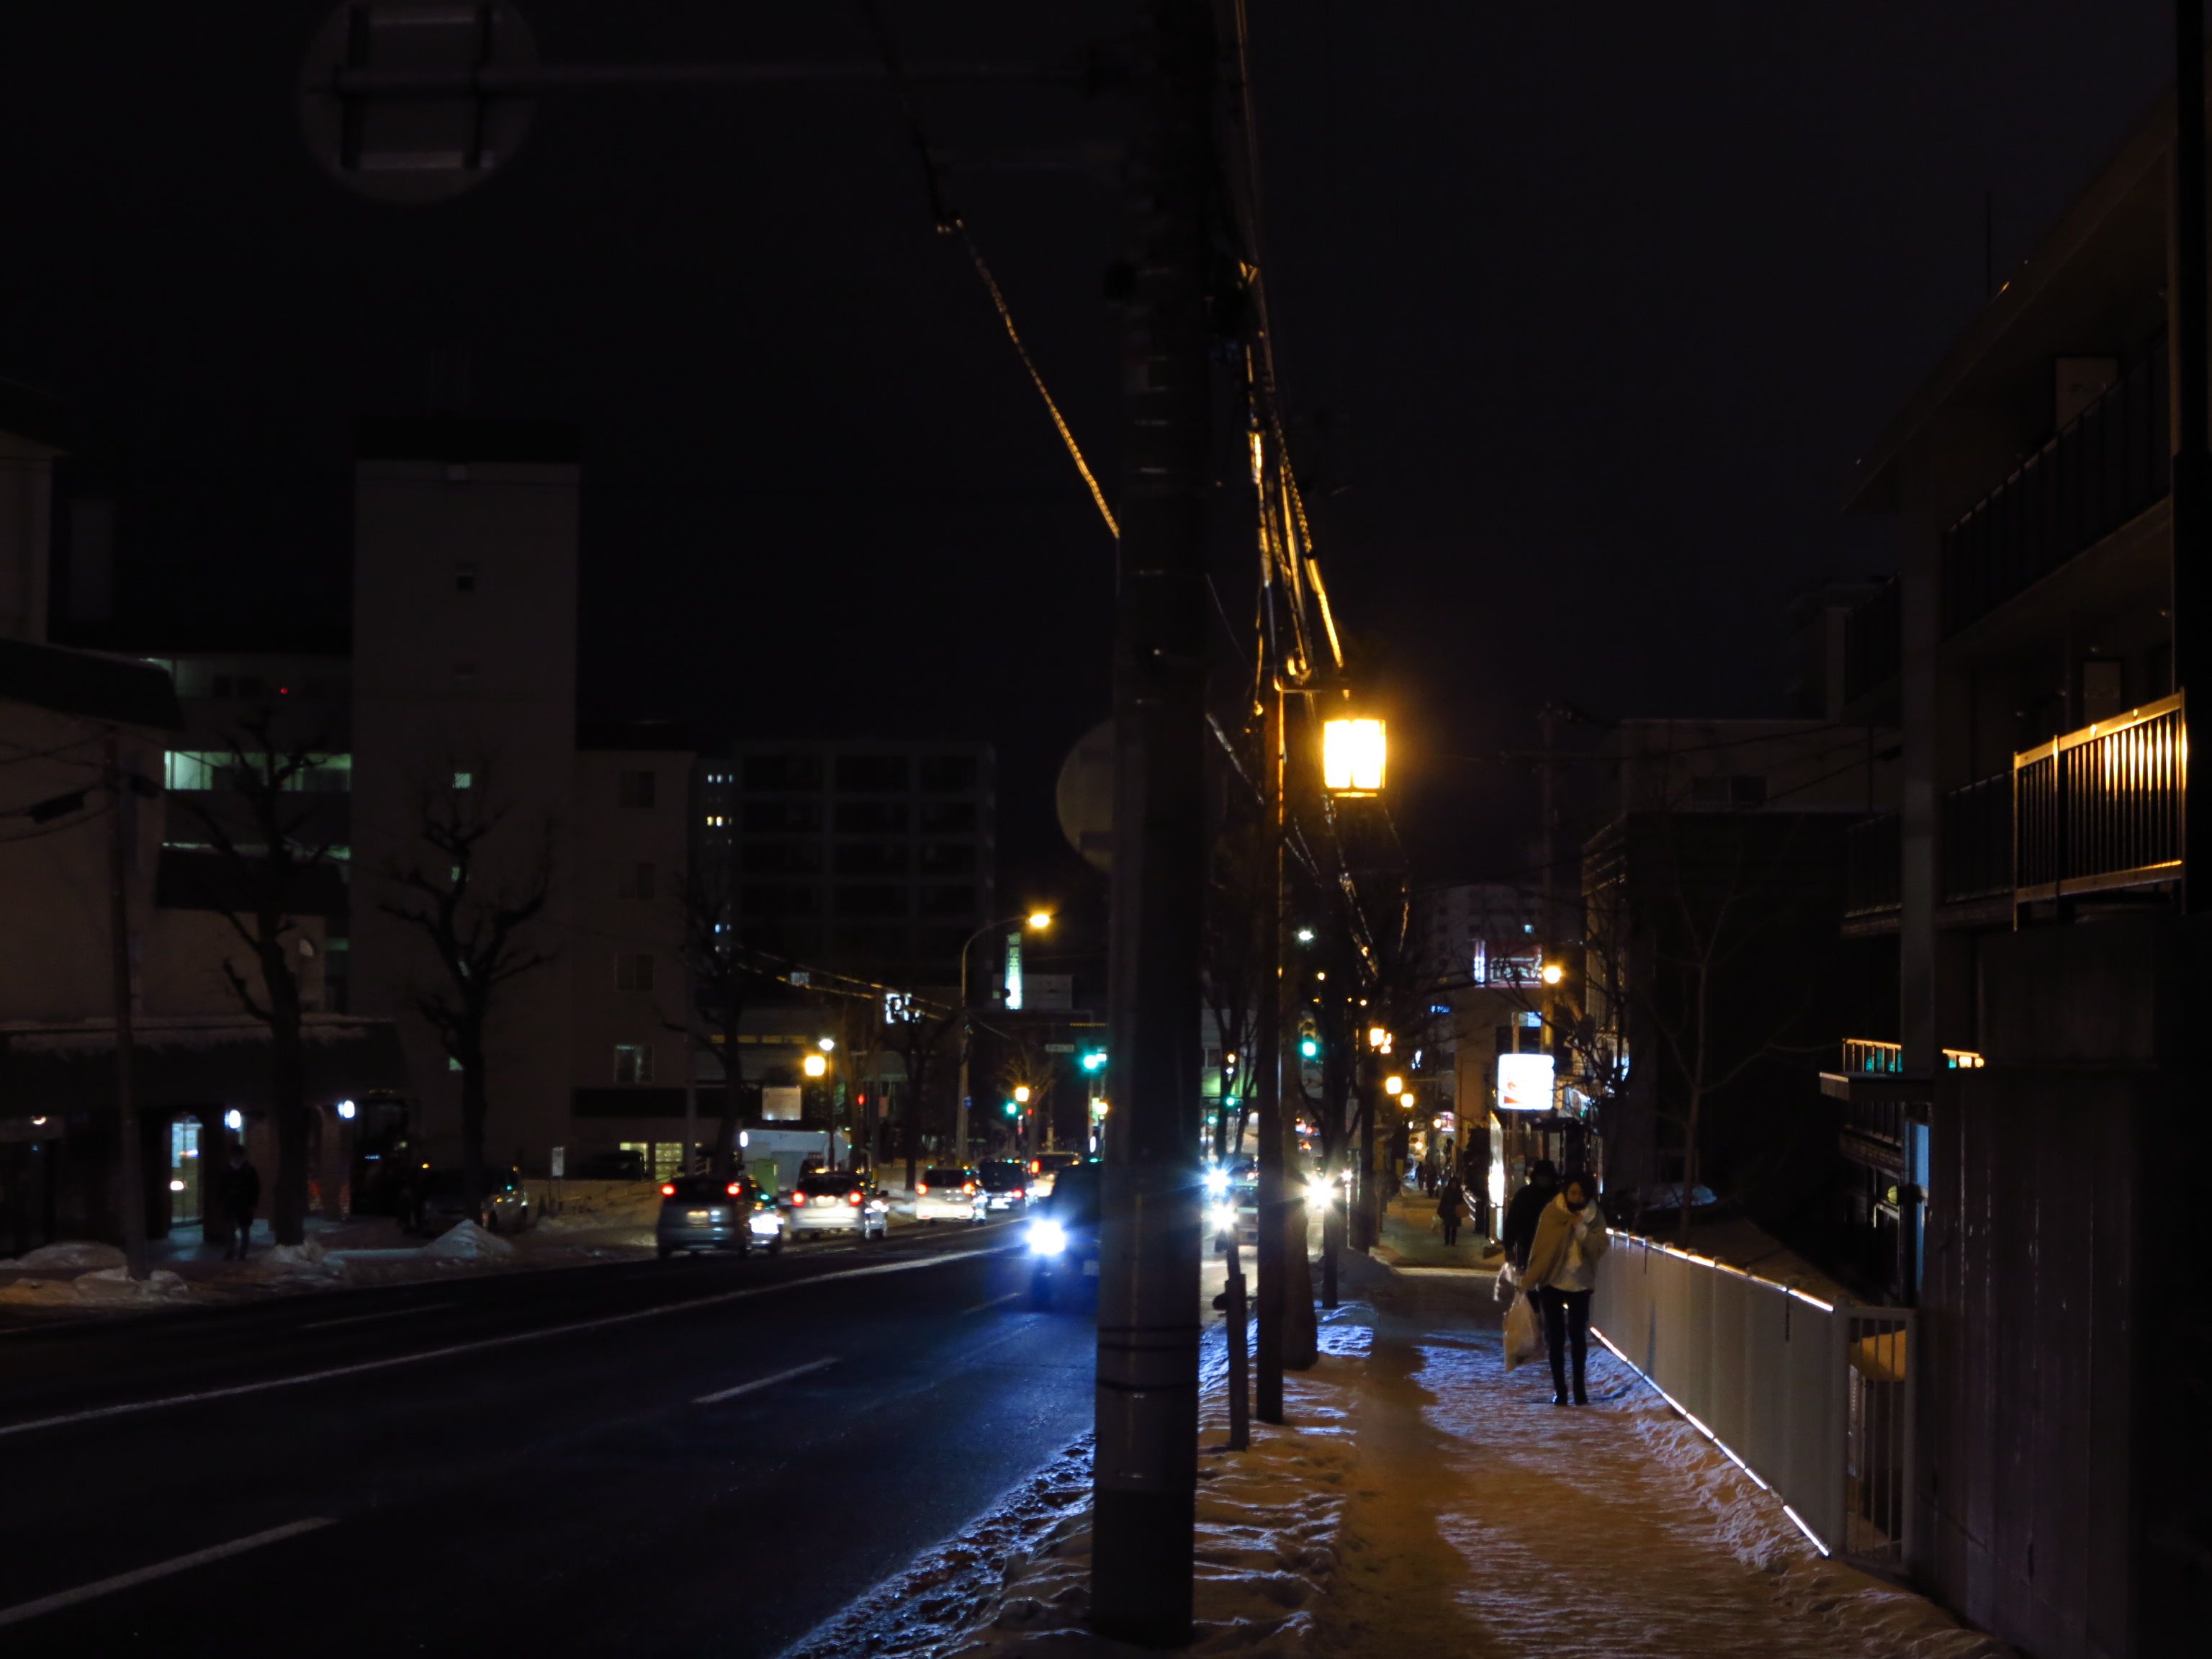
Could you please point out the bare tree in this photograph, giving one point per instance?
(479, 930)
(267, 851)
(720, 979)
(915, 1030)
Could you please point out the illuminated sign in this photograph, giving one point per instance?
(1524, 1083)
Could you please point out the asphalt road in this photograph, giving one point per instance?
(703, 1457)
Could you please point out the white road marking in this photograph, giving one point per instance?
(363, 1319)
(995, 1302)
(762, 1382)
(124, 1581)
(131, 1407)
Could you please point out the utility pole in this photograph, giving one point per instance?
(2192, 464)
(1268, 1040)
(1146, 1463)
(130, 1171)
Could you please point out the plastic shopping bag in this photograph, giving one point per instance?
(1507, 1282)
(1522, 1339)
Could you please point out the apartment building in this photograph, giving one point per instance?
(2021, 1109)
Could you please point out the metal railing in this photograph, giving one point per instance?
(2100, 809)
(1977, 840)
(1873, 858)
(2098, 471)
(1870, 1056)
(1812, 1400)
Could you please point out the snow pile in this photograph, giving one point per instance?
(69, 1255)
(1018, 1582)
(308, 1261)
(40, 1293)
(594, 1204)
(466, 1242)
(113, 1287)
(1618, 1529)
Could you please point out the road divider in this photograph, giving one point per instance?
(124, 1581)
(604, 1322)
(760, 1382)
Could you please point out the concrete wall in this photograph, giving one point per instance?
(464, 660)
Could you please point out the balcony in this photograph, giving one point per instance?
(1978, 841)
(2099, 471)
(2098, 809)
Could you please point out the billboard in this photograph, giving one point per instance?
(1524, 1083)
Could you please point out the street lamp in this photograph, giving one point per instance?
(1394, 1086)
(815, 1065)
(1036, 922)
(1553, 973)
(1354, 756)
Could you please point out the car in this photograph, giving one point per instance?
(440, 1200)
(1045, 1168)
(828, 1202)
(714, 1212)
(1232, 1205)
(949, 1193)
(1004, 1182)
(1063, 1237)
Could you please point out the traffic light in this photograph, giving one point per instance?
(1308, 1048)
(1094, 1059)
(1012, 1110)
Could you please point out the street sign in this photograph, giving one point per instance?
(560, 1162)
(1059, 1048)
(403, 102)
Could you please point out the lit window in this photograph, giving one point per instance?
(465, 779)
(452, 1064)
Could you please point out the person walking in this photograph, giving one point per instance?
(242, 1196)
(1451, 1209)
(1562, 1271)
(1543, 1184)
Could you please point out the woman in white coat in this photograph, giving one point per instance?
(1571, 1241)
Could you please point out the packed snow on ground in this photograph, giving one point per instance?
(69, 1256)
(309, 1262)
(466, 1242)
(1618, 1530)
(114, 1287)
(1017, 1581)
(592, 1204)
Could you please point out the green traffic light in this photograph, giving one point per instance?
(1012, 1110)
(1310, 1048)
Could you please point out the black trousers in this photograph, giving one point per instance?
(1566, 1325)
(1451, 1228)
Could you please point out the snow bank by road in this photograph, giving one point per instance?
(1017, 1582)
(69, 1255)
(103, 1287)
(466, 1242)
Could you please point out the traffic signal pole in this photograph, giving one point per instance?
(1145, 1478)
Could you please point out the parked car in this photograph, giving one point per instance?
(949, 1194)
(714, 1212)
(1045, 1168)
(441, 1200)
(1063, 1237)
(1005, 1180)
(837, 1203)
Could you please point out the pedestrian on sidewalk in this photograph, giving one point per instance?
(1451, 1209)
(1570, 1240)
(1528, 1204)
(242, 1196)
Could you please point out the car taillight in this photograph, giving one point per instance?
(969, 1187)
(1035, 1166)
(1017, 1192)
(667, 1189)
(734, 1190)
(852, 1198)
(920, 1187)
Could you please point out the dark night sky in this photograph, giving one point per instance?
(1584, 312)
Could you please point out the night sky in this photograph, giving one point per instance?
(1583, 312)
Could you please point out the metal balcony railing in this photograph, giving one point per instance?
(2094, 474)
(1872, 640)
(1873, 857)
(2100, 809)
(1871, 1057)
(1977, 840)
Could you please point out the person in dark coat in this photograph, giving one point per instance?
(241, 1197)
(1529, 1204)
(1451, 1209)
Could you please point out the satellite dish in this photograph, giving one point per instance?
(1085, 796)
(414, 103)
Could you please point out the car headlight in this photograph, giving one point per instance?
(1319, 1191)
(1222, 1218)
(1217, 1183)
(1047, 1237)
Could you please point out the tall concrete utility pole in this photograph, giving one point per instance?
(1267, 1041)
(2192, 464)
(1146, 1469)
(131, 1154)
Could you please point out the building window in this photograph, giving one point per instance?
(633, 970)
(634, 881)
(465, 676)
(948, 817)
(783, 772)
(872, 817)
(634, 789)
(633, 1063)
(464, 579)
(465, 779)
(946, 774)
(453, 1063)
(872, 773)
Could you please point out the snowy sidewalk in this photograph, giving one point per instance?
(1487, 1521)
